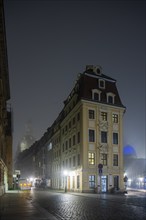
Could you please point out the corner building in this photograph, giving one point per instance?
(85, 141)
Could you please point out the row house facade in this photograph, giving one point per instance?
(83, 149)
(5, 112)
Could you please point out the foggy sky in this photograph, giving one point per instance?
(50, 42)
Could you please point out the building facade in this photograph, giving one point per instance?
(83, 149)
(5, 112)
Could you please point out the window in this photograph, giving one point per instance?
(101, 83)
(78, 137)
(104, 116)
(74, 161)
(104, 159)
(92, 181)
(78, 182)
(70, 162)
(91, 135)
(115, 138)
(63, 148)
(96, 96)
(69, 125)
(91, 114)
(70, 143)
(91, 158)
(103, 136)
(74, 140)
(78, 159)
(110, 99)
(115, 160)
(78, 116)
(66, 145)
(66, 162)
(74, 120)
(115, 118)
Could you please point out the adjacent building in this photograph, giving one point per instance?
(83, 149)
(5, 112)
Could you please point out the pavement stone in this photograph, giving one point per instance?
(17, 205)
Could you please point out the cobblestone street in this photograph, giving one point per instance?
(51, 205)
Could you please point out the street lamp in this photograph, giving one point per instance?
(65, 174)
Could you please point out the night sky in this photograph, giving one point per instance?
(50, 42)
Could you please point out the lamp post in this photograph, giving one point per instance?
(65, 175)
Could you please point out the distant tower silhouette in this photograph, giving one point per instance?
(27, 140)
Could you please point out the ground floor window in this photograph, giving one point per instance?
(92, 181)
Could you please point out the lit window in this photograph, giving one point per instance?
(104, 116)
(91, 158)
(91, 135)
(103, 137)
(115, 160)
(104, 159)
(115, 118)
(91, 114)
(92, 181)
(115, 138)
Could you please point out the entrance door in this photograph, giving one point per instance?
(103, 183)
(116, 182)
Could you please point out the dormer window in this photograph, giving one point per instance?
(101, 84)
(110, 98)
(96, 94)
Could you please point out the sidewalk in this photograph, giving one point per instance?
(18, 205)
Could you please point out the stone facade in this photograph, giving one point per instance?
(5, 113)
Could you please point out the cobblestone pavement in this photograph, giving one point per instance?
(51, 205)
(73, 206)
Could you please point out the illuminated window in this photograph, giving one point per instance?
(92, 181)
(91, 114)
(91, 135)
(115, 138)
(104, 116)
(91, 158)
(104, 136)
(104, 159)
(115, 160)
(115, 118)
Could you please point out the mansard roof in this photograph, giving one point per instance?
(88, 81)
